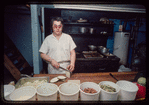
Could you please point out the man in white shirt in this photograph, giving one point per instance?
(58, 47)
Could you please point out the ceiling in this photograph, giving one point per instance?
(131, 8)
(116, 10)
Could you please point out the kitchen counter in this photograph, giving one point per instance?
(80, 57)
(93, 77)
(94, 65)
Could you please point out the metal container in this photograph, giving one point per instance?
(92, 47)
(92, 54)
(110, 56)
(83, 30)
(29, 79)
(121, 43)
(103, 50)
(92, 31)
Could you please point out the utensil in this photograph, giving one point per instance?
(113, 76)
(64, 69)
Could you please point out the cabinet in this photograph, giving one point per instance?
(91, 28)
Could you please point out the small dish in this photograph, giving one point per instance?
(55, 79)
(61, 77)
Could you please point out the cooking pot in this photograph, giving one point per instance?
(92, 47)
(83, 30)
(103, 50)
(92, 31)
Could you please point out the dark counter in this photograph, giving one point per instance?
(93, 65)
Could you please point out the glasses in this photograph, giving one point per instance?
(55, 26)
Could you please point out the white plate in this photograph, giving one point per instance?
(61, 77)
(54, 79)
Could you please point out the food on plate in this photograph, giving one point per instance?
(89, 90)
(35, 83)
(68, 74)
(54, 79)
(108, 88)
(61, 77)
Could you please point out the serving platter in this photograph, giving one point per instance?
(24, 80)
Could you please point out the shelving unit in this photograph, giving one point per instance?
(88, 34)
(87, 24)
(98, 26)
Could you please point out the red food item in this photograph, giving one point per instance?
(89, 90)
(141, 91)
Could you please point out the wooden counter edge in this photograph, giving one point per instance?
(92, 74)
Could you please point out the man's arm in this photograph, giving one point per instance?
(49, 59)
(72, 60)
(45, 57)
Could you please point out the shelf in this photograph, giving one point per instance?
(98, 25)
(88, 34)
(88, 24)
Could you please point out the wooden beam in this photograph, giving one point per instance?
(11, 67)
(36, 39)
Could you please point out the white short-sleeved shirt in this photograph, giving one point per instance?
(58, 50)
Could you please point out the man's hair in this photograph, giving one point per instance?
(56, 19)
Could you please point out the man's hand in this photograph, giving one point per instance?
(55, 64)
(72, 59)
(71, 67)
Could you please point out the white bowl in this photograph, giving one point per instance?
(8, 89)
(89, 96)
(128, 90)
(69, 91)
(47, 91)
(23, 94)
(108, 96)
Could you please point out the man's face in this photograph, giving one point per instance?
(57, 27)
